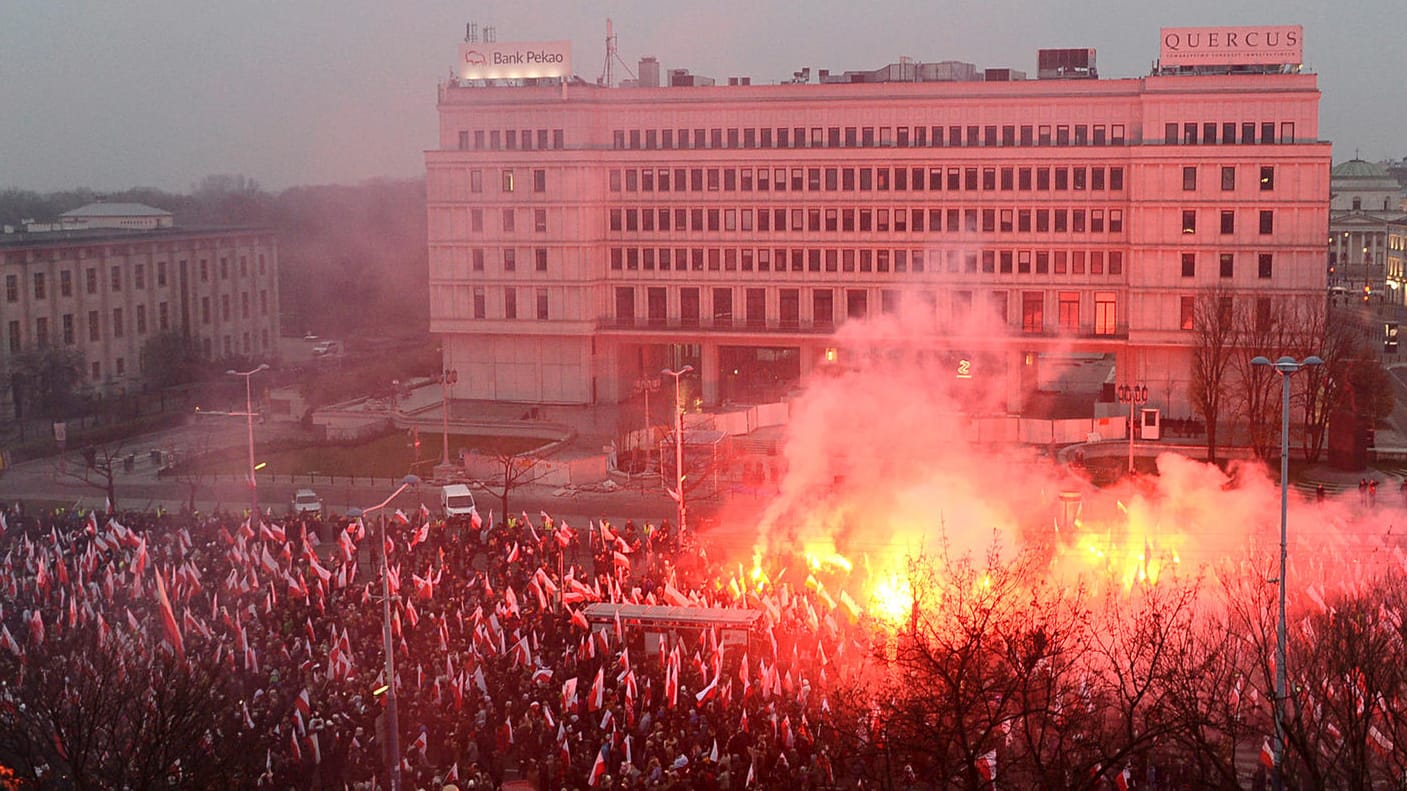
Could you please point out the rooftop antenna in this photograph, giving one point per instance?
(607, 77)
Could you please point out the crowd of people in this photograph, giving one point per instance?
(498, 672)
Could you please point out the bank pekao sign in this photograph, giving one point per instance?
(1232, 46)
(514, 60)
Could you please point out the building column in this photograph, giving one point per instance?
(708, 377)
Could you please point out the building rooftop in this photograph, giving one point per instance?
(1359, 169)
(17, 239)
(103, 209)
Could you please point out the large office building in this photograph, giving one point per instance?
(584, 236)
(105, 291)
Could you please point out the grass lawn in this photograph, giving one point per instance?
(389, 456)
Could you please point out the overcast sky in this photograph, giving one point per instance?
(159, 93)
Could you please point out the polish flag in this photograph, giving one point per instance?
(1122, 779)
(598, 691)
(401, 517)
(987, 767)
(598, 768)
(168, 619)
(303, 703)
(1267, 754)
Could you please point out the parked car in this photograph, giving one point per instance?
(306, 501)
(324, 348)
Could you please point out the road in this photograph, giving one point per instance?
(40, 483)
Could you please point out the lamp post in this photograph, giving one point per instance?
(678, 492)
(647, 385)
(1133, 395)
(393, 731)
(1286, 367)
(449, 377)
(249, 421)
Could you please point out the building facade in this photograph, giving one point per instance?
(1366, 228)
(583, 237)
(106, 292)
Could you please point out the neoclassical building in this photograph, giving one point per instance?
(105, 291)
(1367, 225)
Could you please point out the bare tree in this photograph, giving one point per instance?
(1214, 332)
(510, 472)
(101, 462)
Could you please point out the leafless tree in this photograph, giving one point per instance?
(510, 472)
(1214, 333)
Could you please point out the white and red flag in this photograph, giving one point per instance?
(987, 767)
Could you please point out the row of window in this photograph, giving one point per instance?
(120, 363)
(52, 254)
(1226, 265)
(1228, 178)
(510, 303)
(1206, 133)
(883, 261)
(926, 136)
(932, 178)
(508, 220)
(881, 220)
(1228, 221)
(507, 180)
(511, 139)
(1033, 306)
(119, 323)
(116, 278)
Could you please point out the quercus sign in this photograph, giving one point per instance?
(514, 60)
(1231, 46)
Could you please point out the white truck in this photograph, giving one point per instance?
(457, 500)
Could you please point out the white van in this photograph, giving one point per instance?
(456, 500)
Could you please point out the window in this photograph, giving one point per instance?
(510, 259)
(479, 303)
(1228, 264)
(39, 289)
(1189, 264)
(509, 221)
(506, 182)
(12, 288)
(1189, 178)
(1189, 221)
(116, 278)
(1032, 306)
(1267, 178)
(66, 282)
(542, 304)
(163, 316)
(1228, 221)
(15, 341)
(476, 181)
(117, 328)
(1188, 312)
(68, 329)
(540, 220)
(1267, 221)
(1228, 178)
(1105, 313)
(1069, 315)
(540, 259)
(510, 303)
(539, 180)
(1263, 266)
(141, 319)
(205, 310)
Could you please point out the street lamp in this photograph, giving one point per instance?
(393, 740)
(1133, 395)
(449, 377)
(647, 385)
(678, 493)
(1286, 367)
(249, 420)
